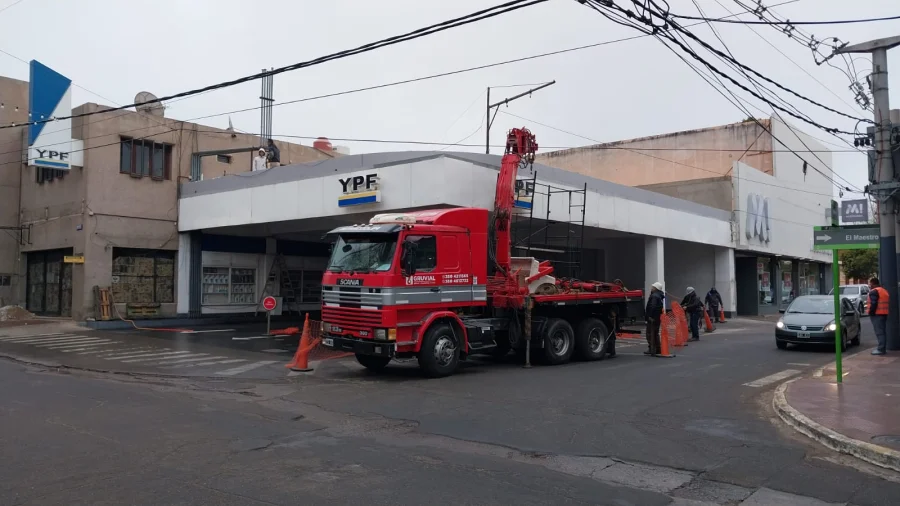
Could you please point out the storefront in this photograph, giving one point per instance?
(775, 262)
(49, 282)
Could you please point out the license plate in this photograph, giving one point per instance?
(328, 341)
(803, 335)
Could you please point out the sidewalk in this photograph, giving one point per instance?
(860, 417)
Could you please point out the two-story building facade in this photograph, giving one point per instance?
(112, 222)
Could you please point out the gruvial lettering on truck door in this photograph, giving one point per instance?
(426, 285)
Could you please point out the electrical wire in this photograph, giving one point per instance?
(10, 6)
(406, 81)
(639, 150)
(782, 53)
(627, 17)
(731, 59)
(757, 86)
(481, 15)
(786, 22)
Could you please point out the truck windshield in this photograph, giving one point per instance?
(363, 253)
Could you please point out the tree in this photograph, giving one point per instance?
(860, 264)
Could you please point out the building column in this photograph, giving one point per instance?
(725, 279)
(183, 274)
(654, 263)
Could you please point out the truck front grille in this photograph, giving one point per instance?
(352, 318)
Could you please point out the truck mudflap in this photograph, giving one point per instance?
(385, 349)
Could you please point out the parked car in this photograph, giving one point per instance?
(810, 319)
(858, 295)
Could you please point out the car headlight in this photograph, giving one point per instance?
(780, 324)
(831, 327)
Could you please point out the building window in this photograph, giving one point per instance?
(145, 158)
(223, 158)
(227, 285)
(45, 175)
(142, 276)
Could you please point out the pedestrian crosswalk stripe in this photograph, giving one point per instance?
(137, 354)
(150, 356)
(94, 348)
(85, 345)
(193, 358)
(6, 338)
(772, 378)
(115, 351)
(28, 340)
(71, 340)
(72, 343)
(203, 364)
(172, 356)
(244, 368)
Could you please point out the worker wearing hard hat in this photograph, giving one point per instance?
(653, 314)
(693, 308)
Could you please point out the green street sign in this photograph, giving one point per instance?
(847, 237)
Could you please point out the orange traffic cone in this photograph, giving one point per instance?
(300, 363)
(722, 315)
(709, 325)
(663, 350)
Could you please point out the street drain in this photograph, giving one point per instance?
(888, 439)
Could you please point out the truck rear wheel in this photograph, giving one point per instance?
(559, 341)
(591, 339)
(372, 363)
(439, 355)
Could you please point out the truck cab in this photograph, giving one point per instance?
(401, 273)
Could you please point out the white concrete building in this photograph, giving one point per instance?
(232, 228)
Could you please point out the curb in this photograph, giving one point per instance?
(871, 453)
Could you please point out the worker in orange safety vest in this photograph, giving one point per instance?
(879, 307)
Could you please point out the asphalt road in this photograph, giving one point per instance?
(630, 431)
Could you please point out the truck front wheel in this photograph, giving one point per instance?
(439, 355)
(591, 339)
(372, 363)
(559, 341)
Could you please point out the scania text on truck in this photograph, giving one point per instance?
(428, 285)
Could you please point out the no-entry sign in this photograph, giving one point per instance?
(269, 303)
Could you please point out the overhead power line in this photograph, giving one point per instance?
(647, 25)
(415, 34)
(787, 22)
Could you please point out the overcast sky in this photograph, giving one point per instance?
(617, 91)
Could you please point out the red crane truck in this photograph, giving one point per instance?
(427, 284)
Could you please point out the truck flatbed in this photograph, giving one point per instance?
(577, 298)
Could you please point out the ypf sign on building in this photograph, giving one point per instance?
(855, 211)
(50, 142)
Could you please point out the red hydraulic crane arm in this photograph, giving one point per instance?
(520, 149)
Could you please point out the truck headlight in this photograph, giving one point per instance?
(381, 334)
(326, 327)
(831, 327)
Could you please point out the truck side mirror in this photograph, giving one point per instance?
(408, 259)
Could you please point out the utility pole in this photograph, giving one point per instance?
(489, 120)
(886, 186)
